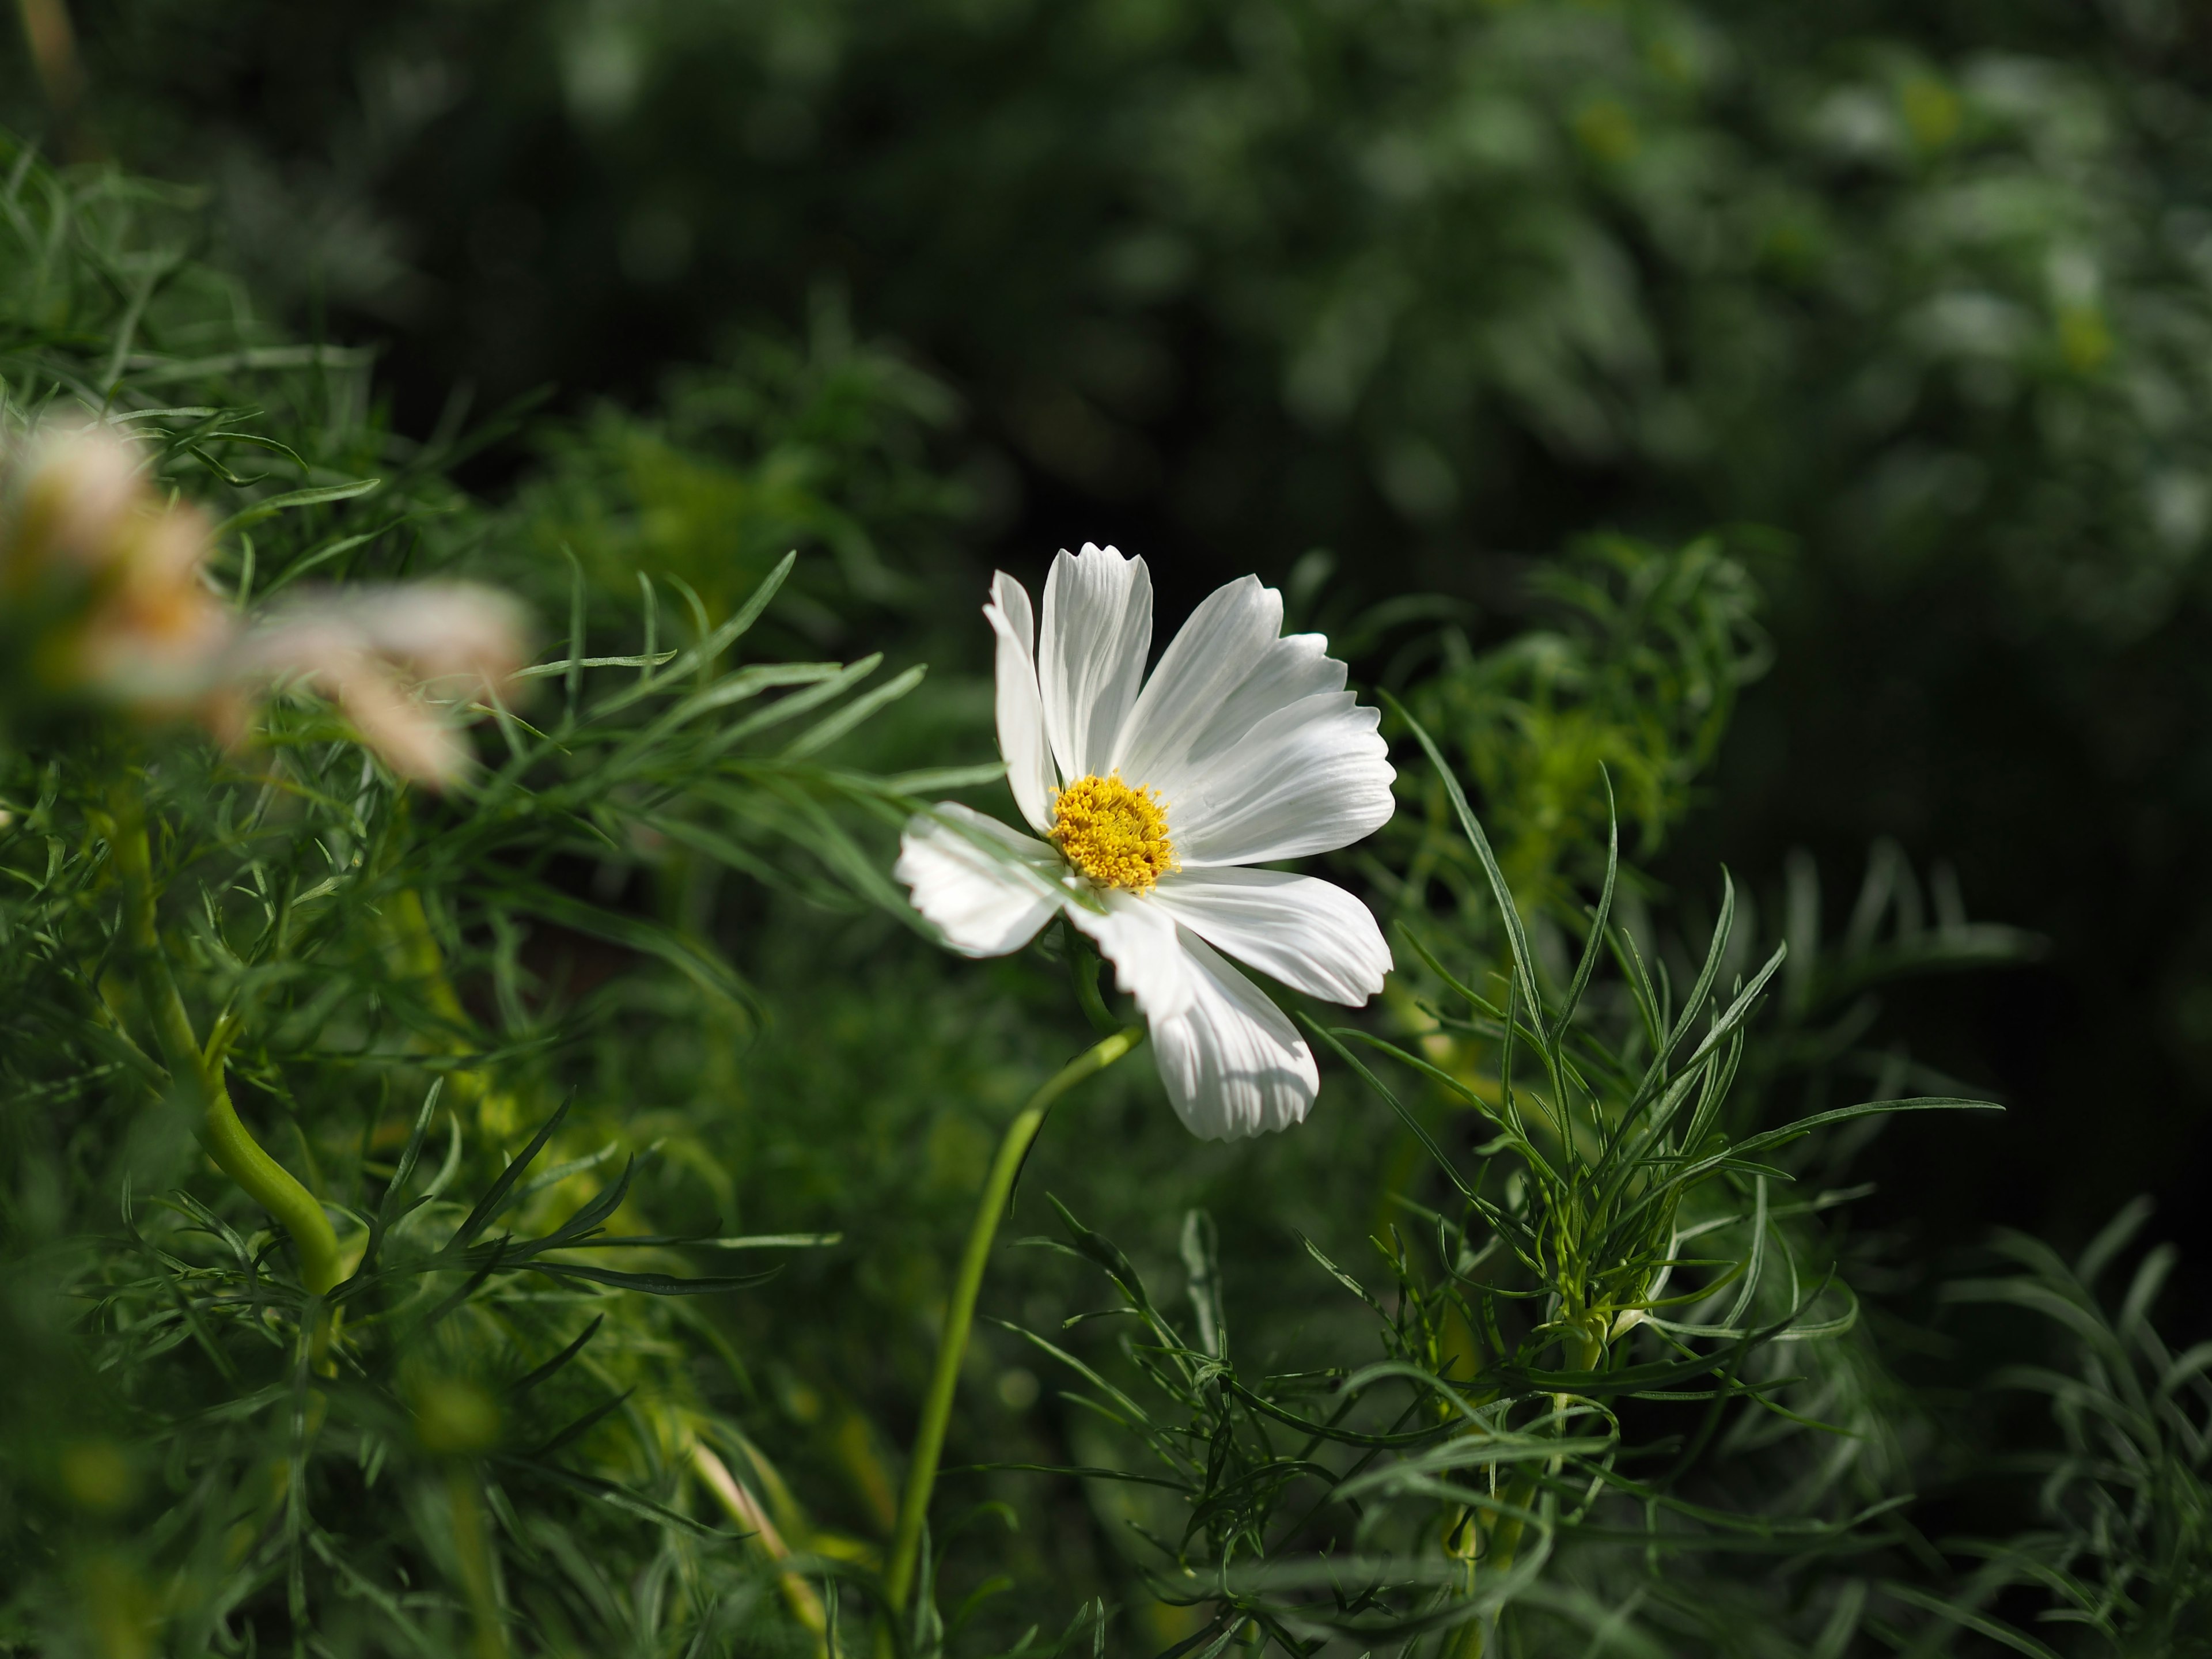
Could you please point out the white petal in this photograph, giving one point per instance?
(1308, 934)
(1308, 779)
(1090, 658)
(1251, 739)
(1139, 938)
(1021, 709)
(1232, 1065)
(988, 888)
(1199, 676)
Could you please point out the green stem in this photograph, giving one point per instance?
(1082, 966)
(474, 1551)
(1587, 1352)
(960, 1313)
(236, 1153)
(1506, 1536)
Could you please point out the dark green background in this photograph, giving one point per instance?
(1927, 290)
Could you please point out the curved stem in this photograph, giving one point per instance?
(236, 1153)
(960, 1313)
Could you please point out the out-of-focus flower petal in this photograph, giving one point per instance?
(438, 631)
(108, 581)
(455, 639)
(351, 646)
(75, 490)
(156, 636)
(412, 740)
(445, 630)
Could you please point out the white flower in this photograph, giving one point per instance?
(1242, 748)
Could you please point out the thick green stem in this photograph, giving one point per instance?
(1587, 1347)
(236, 1153)
(960, 1312)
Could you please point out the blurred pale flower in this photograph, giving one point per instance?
(72, 489)
(1153, 796)
(104, 590)
(385, 656)
(108, 577)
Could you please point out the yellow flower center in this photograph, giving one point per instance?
(1115, 834)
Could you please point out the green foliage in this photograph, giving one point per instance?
(647, 1123)
(1922, 287)
(823, 446)
(1909, 283)
(1638, 678)
(2126, 1492)
(200, 1445)
(1607, 1403)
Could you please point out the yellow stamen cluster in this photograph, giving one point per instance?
(1115, 834)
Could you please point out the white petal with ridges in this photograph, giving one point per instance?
(1090, 655)
(1252, 740)
(1308, 934)
(1139, 938)
(988, 888)
(1200, 674)
(1232, 1065)
(1308, 777)
(1021, 708)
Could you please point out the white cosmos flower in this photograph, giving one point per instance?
(1153, 796)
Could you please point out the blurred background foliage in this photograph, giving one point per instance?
(1926, 289)
(1467, 324)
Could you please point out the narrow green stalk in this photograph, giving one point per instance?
(474, 1550)
(236, 1153)
(960, 1313)
(1506, 1535)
